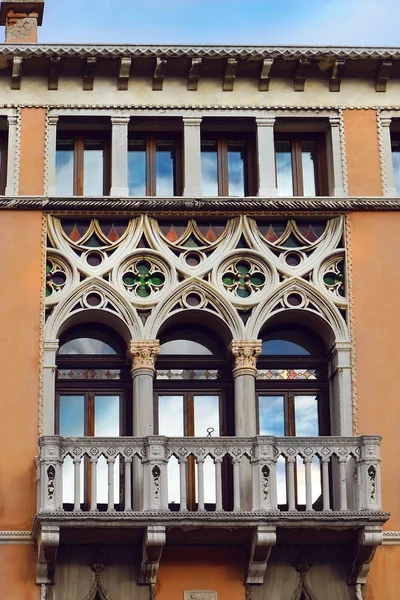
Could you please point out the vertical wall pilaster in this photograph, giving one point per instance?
(389, 189)
(52, 121)
(119, 156)
(11, 184)
(192, 156)
(49, 381)
(266, 156)
(336, 162)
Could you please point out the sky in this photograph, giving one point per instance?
(254, 22)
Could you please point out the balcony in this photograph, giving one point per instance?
(226, 489)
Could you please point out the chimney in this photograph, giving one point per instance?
(21, 19)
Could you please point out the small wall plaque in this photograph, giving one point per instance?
(199, 595)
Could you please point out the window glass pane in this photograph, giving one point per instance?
(184, 347)
(236, 170)
(209, 168)
(86, 345)
(137, 168)
(309, 164)
(106, 416)
(165, 169)
(93, 164)
(396, 165)
(306, 415)
(271, 415)
(65, 168)
(72, 415)
(283, 348)
(284, 176)
(170, 415)
(206, 415)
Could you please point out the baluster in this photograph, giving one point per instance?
(343, 488)
(93, 488)
(218, 485)
(325, 484)
(290, 480)
(110, 463)
(307, 465)
(236, 485)
(77, 483)
(200, 483)
(128, 491)
(183, 484)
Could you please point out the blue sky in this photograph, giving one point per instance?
(307, 22)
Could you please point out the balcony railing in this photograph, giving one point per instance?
(182, 476)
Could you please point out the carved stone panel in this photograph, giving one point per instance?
(199, 595)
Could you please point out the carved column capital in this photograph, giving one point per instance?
(245, 353)
(144, 354)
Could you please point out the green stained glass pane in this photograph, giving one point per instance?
(49, 266)
(243, 267)
(143, 267)
(48, 291)
(94, 241)
(192, 242)
(330, 279)
(243, 292)
(228, 279)
(129, 279)
(143, 291)
(257, 279)
(157, 279)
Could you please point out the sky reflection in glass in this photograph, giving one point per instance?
(137, 169)
(271, 415)
(396, 168)
(306, 415)
(235, 171)
(284, 177)
(72, 415)
(209, 169)
(309, 161)
(86, 346)
(93, 159)
(65, 172)
(164, 169)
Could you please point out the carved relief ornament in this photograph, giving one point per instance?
(245, 353)
(144, 354)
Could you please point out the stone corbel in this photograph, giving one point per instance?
(47, 546)
(337, 73)
(263, 538)
(300, 74)
(229, 74)
(16, 72)
(159, 74)
(369, 538)
(383, 75)
(89, 73)
(123, 73)
(194, 74)
(153, 542)
(144, 354)
(245, 353)
(265, 75)
(54, 72)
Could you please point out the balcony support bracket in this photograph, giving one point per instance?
(47, 545)
(154, 539)
(369, 538)
(263, 538)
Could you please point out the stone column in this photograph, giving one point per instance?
(52, 121)
(192, 156)
(119, 156)
(266, 156)
(245, 354)
(49, 382)
(144, 354)
(11, 184)
(337, 175)
(389, 189)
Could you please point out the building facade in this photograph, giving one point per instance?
(198, 320)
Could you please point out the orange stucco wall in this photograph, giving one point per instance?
(20, 285)
(362, 153)
(202, 568)
(31, 171)
(376, 260)
(17, 572)
(384, 577)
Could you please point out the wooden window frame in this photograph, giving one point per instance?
(222, 141)
(79, 140)
(295, 140)
(150, 142)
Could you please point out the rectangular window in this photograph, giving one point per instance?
(82, 165)
(300, 164)
(225, 167)
(154, 166)
(396, 164)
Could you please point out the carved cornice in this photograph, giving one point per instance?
(391, 538)
(16, 537)
(144, 354)
(245, 353)
(177, 204)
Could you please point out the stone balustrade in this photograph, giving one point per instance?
(285, 475)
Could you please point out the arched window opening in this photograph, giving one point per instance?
(293, 395)
(93, 385)
(193, 397)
